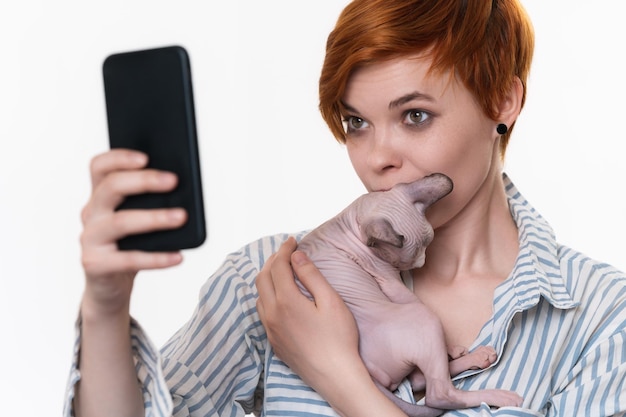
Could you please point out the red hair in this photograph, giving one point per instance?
(485, 43)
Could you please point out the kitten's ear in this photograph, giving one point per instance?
(428, 190)
(379, 231)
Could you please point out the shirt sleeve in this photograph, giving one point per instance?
(213, 366)
(147, 363)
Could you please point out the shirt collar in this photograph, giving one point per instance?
(537, 271)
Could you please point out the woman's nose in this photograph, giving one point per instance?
(384, 154)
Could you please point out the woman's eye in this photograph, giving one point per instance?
(352, 123)
(416, 117)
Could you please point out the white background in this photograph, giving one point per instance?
(268, 162)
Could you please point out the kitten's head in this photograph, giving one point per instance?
(393, 223)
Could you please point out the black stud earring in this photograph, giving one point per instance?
(502, 129)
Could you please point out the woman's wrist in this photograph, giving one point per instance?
(354, 393)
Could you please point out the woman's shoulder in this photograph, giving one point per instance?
(257, 251)
(576, 264)
(237, 273)
(250, 258)
(588, 279)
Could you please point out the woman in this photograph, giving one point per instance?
(411, 87)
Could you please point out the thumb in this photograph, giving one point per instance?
(311, 277)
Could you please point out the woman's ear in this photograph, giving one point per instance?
(511, 105)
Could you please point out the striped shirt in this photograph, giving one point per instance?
(559, 327)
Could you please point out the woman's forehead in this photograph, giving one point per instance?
(397, 79)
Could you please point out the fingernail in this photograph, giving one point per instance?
(299, 258)
(175, 257)
(167, 177)
(177, 214)
(140, 158)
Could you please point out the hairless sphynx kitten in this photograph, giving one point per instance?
(361, 252)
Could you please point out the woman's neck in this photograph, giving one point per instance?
(468, 258)
(481, 239)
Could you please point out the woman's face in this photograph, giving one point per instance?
(403, 124)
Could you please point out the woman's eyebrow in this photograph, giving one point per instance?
(416, 95)
(345, 107)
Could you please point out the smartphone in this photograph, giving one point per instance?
(150, 108)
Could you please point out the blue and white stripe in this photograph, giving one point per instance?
(559, 326)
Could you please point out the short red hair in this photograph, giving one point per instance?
(485, 43)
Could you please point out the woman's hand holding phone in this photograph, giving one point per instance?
(110, 271)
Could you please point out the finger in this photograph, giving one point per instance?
(115, 160)
(312, 279)
(281, 272)
(116, 186)
(107, 260)
(260, 309)
(118, 224)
